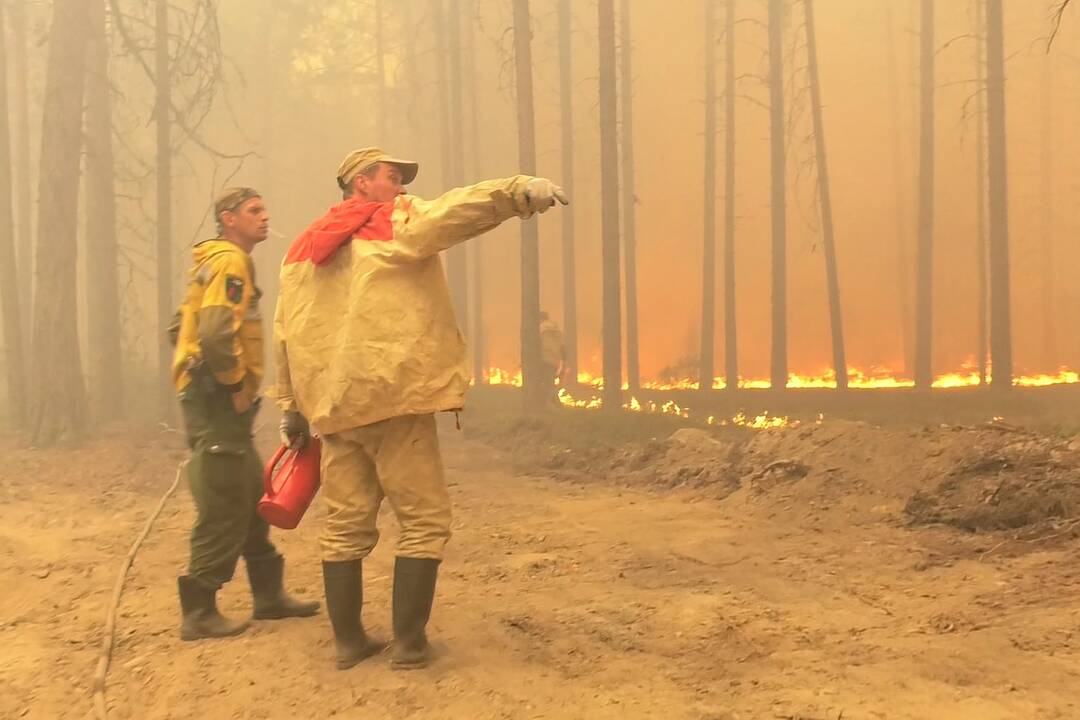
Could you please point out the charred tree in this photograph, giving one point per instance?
(731, 352)
(832, 279)
(1046, 195)
(779, 364)
(901, 193)
(609, 213)
(380, 69)
(708, 254)
(475, 246)
(58, 408)
(456, 257)
(633, 371)
(24, 246)
(569, 257)
(981, 243)
(531, 362)
(106, 386)
(1000, 303)
(163, 124)
(924, 375)
(9, 281)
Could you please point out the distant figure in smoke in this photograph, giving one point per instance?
(217, 369)
(552, 358)
(368, 349)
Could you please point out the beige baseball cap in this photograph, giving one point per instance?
(360, 160)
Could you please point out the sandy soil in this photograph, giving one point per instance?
(790, 574)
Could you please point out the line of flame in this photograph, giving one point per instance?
(874, 378)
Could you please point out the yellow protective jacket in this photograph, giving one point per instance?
(218, 327)
(364, 328)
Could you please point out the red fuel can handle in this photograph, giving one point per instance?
(290, 482)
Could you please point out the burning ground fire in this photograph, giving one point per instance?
(874, 378)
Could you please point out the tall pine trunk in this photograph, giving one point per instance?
(633, 370)
(384, 111)
(475, 246)
(456, 257)
(59, 396)
(731, 350)
(106, 386)
(1046, 195)
(901, 194)
(832, 279)
(163, 122)
(14, 349)
(779, 364)
(924, 373)
(530, 251)
(1000, 304)
(24, 184)
(982, 247)
(609, 209)
(707, 364)
(569, 257)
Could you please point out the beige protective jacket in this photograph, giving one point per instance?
(364, 328)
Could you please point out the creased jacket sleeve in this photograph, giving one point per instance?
(224, 303)
(286, 400)
(425, 227)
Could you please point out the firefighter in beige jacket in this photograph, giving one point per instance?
(368, 349)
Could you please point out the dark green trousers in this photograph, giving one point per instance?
(225, 476)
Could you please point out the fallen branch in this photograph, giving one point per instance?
(100, 709)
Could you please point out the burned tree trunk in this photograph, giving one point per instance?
(162, 122)
(633, 371)
(9, 281)
(106, 384)
(981, 244)
(1000, 303)
(779, 364)
(832, 279)
(924, 374)
(569, 258)
(531, 363)
(456, 257)
(1046, 195)
(475, 246)
(901, 189)
(708, 254)
(731, 353)
(609, 213)
(59, 397)
(24, 245)
(380, 69)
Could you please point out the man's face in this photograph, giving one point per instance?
(383, 186)
(249, 222)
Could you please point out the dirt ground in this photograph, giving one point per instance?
(823, 572)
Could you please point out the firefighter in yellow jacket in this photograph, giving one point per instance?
(217, 369)
(368, 349)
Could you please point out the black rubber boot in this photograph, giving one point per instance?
(201, 618)
(414, 592)
(266, 575)
(344, 586)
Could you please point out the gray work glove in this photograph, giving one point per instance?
(294, 429)
(541, 194)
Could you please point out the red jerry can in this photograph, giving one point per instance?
(290, 482)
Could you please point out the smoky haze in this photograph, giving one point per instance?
(272, 95)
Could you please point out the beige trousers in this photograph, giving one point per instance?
(398, 459)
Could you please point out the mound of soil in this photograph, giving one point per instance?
(1003, 480)
(992, 477)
